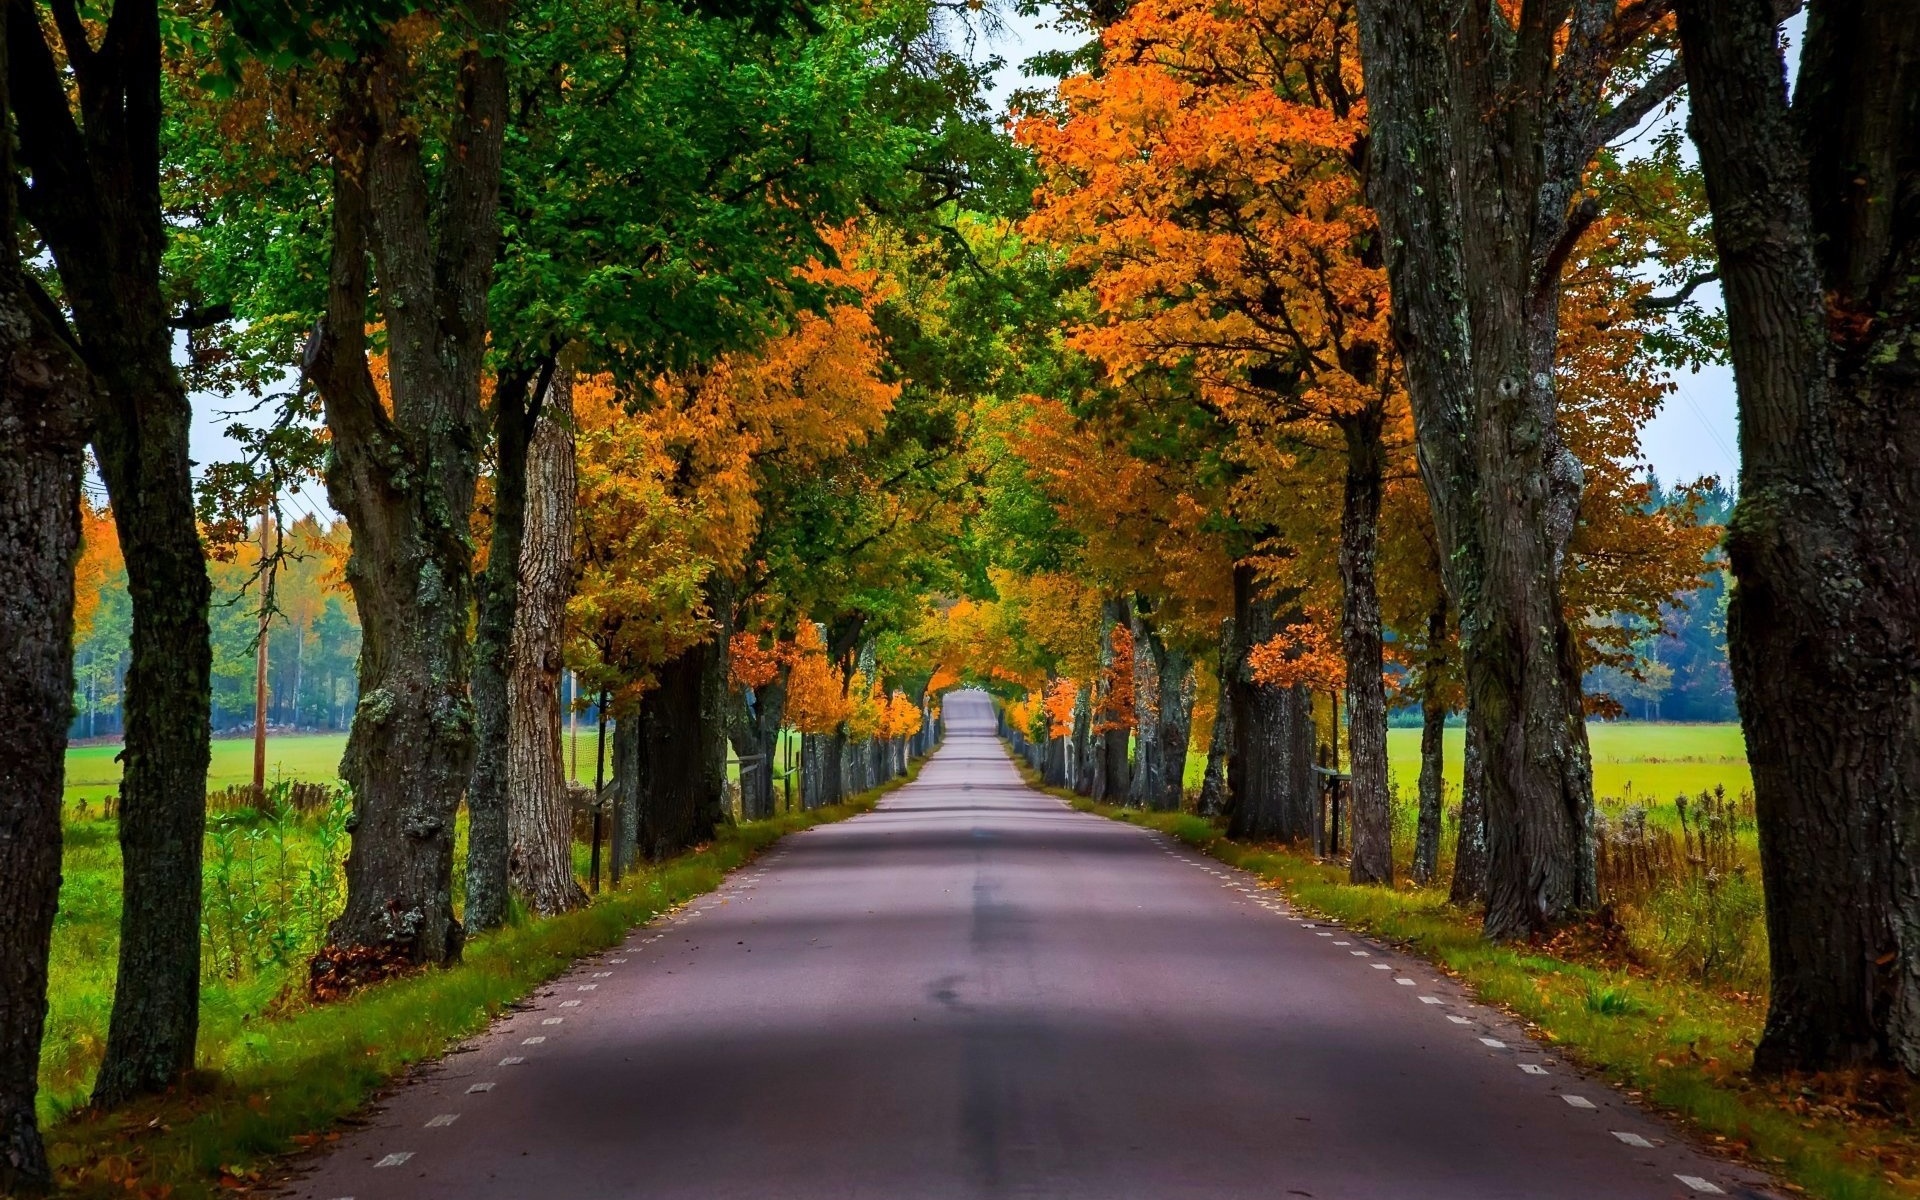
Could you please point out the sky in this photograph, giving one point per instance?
(1695, 434)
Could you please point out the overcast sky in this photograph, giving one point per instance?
(1694, 435)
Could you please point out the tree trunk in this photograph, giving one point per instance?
(1113, 781)
(1144, 786)
(1270, 781)
(402, 470)
(756, 731)
(1082, 749)
(45, 397)
(681, 796)
(1213, 785)
(539, 813)
(1820, 265)
(629, 776)
(515, 408)
(95, 199)
(1433, 731)
(1469, 886)
(1173, 722)
(1361, 641)
(1473, 174)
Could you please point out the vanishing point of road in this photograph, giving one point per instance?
(977, 992)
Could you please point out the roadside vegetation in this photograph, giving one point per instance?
(276, 1070)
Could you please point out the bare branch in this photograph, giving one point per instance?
(1653, 304)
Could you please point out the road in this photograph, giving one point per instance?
(977, 992)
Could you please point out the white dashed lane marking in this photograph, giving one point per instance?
(443, 1120)
(1633, 1139)
(477, 1088)
(1699, 1185)
(1496, 1043)
(552, 1020)
(512, 1060)
(396, 1159)
(1533, 1068)
(535, 1040)
(1577, 1101)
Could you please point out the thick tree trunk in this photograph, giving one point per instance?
(402, 471)
(45, 396)
(539, 814)
(628, 751)
(681, 793)
(1270, 781)
(95, 199)
(1433, 730)
(756, 731)
(1814, 218)
(1173, 722)
(1213, 785)
(1474, 176)
(1362, 643)
(498, 588)
(1081, 750)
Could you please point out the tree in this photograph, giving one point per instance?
(1484, 122)
(1208, 178)
(540, 815)
(88, 120)
(1813, 206)
(46, 396)
(403, 456)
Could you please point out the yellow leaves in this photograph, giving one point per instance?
(99, 561)
(816, 692)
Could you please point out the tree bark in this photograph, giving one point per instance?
(1433, 730)
(756, 731)
(1114, 780)
(1469, 887)
(1815, 221)
(628, 753)
(404, 478)
(45, 398)
(516, 404)
(1213, 785)
(1270, 782)
(1479, 144)
(95, 198)
(681, 793)
(1082, 749)
(539, 814)
(1149, 764)
(1173, 722)
(1361, 642)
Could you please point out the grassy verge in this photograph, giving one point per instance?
(276, 1085)
(1674, 1045)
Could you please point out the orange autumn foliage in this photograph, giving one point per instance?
(97, 564)
(817, 700)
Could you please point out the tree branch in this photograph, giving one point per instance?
(1632, 110)
(1653, 304)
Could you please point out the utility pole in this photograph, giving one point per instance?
(260, 677)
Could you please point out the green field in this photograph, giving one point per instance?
(92, 771)
(1631, 759)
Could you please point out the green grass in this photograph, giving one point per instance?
(1675, 1045)
(278, 1071)
(1630, 759)
(93, 773)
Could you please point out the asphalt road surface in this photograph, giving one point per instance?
(977, 992)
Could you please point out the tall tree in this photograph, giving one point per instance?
(45, 400)
(1484, 121)
(540, 817)
(94, 197)
(404, 457)
(1816, 207)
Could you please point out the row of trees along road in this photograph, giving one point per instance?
(1290, 345)
(421, 232)
(1363, 309)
